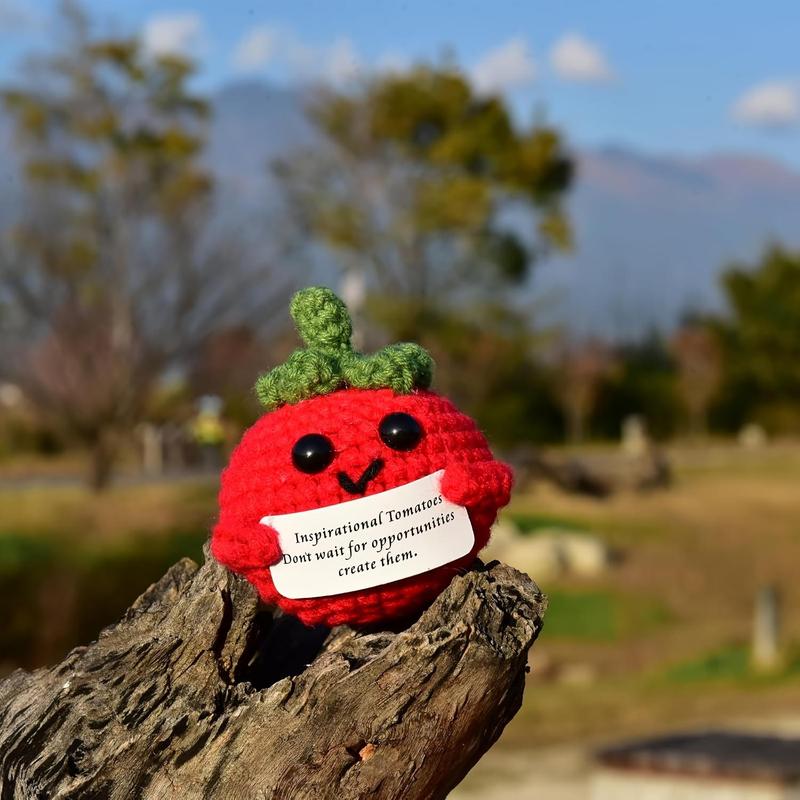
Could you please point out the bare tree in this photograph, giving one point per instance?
(699, 359)
(582, 366)
(117, 266)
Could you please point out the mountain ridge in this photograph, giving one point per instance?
(653, 231)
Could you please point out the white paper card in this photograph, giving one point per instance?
(371, 541)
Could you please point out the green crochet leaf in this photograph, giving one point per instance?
(403, 367)
(321, 319)
(328, 362)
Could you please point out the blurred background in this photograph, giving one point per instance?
(589, 213)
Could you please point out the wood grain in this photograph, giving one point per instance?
(198, 692)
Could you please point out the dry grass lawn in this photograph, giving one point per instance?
(658, 641)
(700, 550)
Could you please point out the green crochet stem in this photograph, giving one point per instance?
(328, 362)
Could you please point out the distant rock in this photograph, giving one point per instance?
(752, 436)
(549, 552)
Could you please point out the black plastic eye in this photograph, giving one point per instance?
(312, 453)
(400, 431)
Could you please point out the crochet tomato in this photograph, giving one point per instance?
(344, 426)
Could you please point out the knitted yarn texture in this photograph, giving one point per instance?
(328, 362)
(329, 390)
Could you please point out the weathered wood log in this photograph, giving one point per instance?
(594, 475)
(572, 475)
(200, 693)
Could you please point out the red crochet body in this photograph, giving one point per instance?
(261, 480)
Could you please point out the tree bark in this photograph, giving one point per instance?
(198, 692)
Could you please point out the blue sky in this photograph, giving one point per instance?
(663, 76)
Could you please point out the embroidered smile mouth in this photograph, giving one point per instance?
(360, 486)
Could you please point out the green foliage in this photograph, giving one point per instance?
(21, 433)
(84, 587)
(111, 120)
(760, 337)
(529, 523)
(600, 615)
(730, 663)
(110, 138)
(71, 562)
(486, 362)
(581, 615)
(110, 272)
(644, 383)
(409, 187)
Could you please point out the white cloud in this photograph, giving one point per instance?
(173, 34)
(575, 58)
(508, 66)
(267, 45)
(773, 104)
(256, 48)
(342, 63)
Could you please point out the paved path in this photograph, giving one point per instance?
(121, 479)
(550, 773)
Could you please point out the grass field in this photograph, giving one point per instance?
(662, 638)
(71, 562)
(658, 641)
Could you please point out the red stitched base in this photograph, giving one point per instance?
(261, 480)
